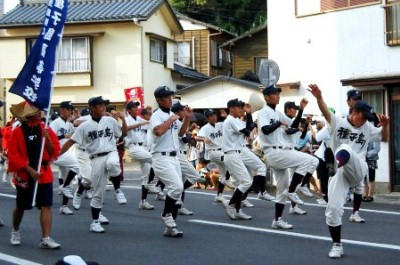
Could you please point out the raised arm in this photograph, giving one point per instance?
(384, 122)
(186, 121)
(316, 92)
(163, 127)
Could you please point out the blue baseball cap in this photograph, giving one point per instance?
(272, 90)
(162, 92)
(176, 107)
(354, 94)
(235, 103)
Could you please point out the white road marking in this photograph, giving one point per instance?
(8, 195)
(16, 260)
(293, 234)
(307, 204)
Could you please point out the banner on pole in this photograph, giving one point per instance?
(34, 82)
(135, 94)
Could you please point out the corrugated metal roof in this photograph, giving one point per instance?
(189, 73)
(83, 11)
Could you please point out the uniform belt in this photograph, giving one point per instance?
(183, 152)
(232, 151)
(215, 150)
(99, 155)
(139, 144)
(168, 153)
(280, 147)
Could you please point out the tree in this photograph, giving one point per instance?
(236, 16)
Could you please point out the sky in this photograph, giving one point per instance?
(9, 4)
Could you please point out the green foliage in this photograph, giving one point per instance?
(236, 16)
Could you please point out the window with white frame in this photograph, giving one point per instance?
(312, 7)
(73, 55)
(183, 53)
(392, 10)
(158, 52)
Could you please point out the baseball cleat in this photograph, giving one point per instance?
(96, 227)
(172, 232)
(305, 191)
(231, 212)
(15, 239)
(48, 243)
(280, 224)
(247, 204)
(65, 210)
(336, 251)
(242, 216)
(103, 220)
(356, 218)
(294, 197)
(265, 196)
(67, 192)
(76, 201)
(120, 197)
(169, 221)
(145, 205)
(296, 210)
(184, 211)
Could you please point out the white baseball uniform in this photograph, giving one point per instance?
(136, 139)
(165, 149)
(188, 171)
(232, 145)
(83, 158)
(213, 149)
(99, 140)
(280, 154)
(66, 161)
(344, 136)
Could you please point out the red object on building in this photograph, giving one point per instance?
(135, 94)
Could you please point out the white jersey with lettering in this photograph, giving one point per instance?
(212, 133)
(168, 142)
(62, 128)
(137, 135)
(232, 138)
(98, 137)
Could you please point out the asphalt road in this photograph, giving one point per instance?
(135, 236)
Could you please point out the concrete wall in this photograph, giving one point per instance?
(326, 48)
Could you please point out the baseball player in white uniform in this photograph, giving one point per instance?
(98, 136)
(281, 155)
(84, 180)
(136, 139)
(350, 138)
(164, 149)
(233, 134)
(67, 163)
(211, 134)
(189, 173)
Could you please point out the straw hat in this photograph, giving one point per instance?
(23, 110)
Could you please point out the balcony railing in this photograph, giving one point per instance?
(76, 65)
(393, 24)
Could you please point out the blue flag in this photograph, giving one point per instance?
(35, 79)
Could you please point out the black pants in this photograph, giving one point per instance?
(323, 176)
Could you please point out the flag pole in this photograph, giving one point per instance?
(47, 120)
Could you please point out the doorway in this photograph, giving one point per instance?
(395, 137)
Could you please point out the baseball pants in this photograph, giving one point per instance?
(140, 154)
(84, 165)
(253, 163)
(168, 170)
(352, 174)
(188, 171)
(234, 164)
(67, 162)
(103, 167)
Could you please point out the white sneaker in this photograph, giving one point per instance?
(356, 218)
(265, 196)
(103, 220)
(227, 183)
(231, 212)
(172, 232)
(15, 239)
(89, 194)
(96, 227)
(145, 205)
(294, 197)
(120, 196)
(65, 210)
(305, 191)
(77, 200)
(321, 201)
(169, 221)
(219, 198)
(152, 188)
(67, 192)
(280, 224)
(296, 210)
(242, 216)
(247, 204)
(184, 211)
(160, 196)
(48, 243)
(336, 251)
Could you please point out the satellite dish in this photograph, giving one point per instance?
(269, 73)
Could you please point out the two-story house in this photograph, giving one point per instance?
(342, 45)
(108, 46)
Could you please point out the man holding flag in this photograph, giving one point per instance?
(32, 165)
